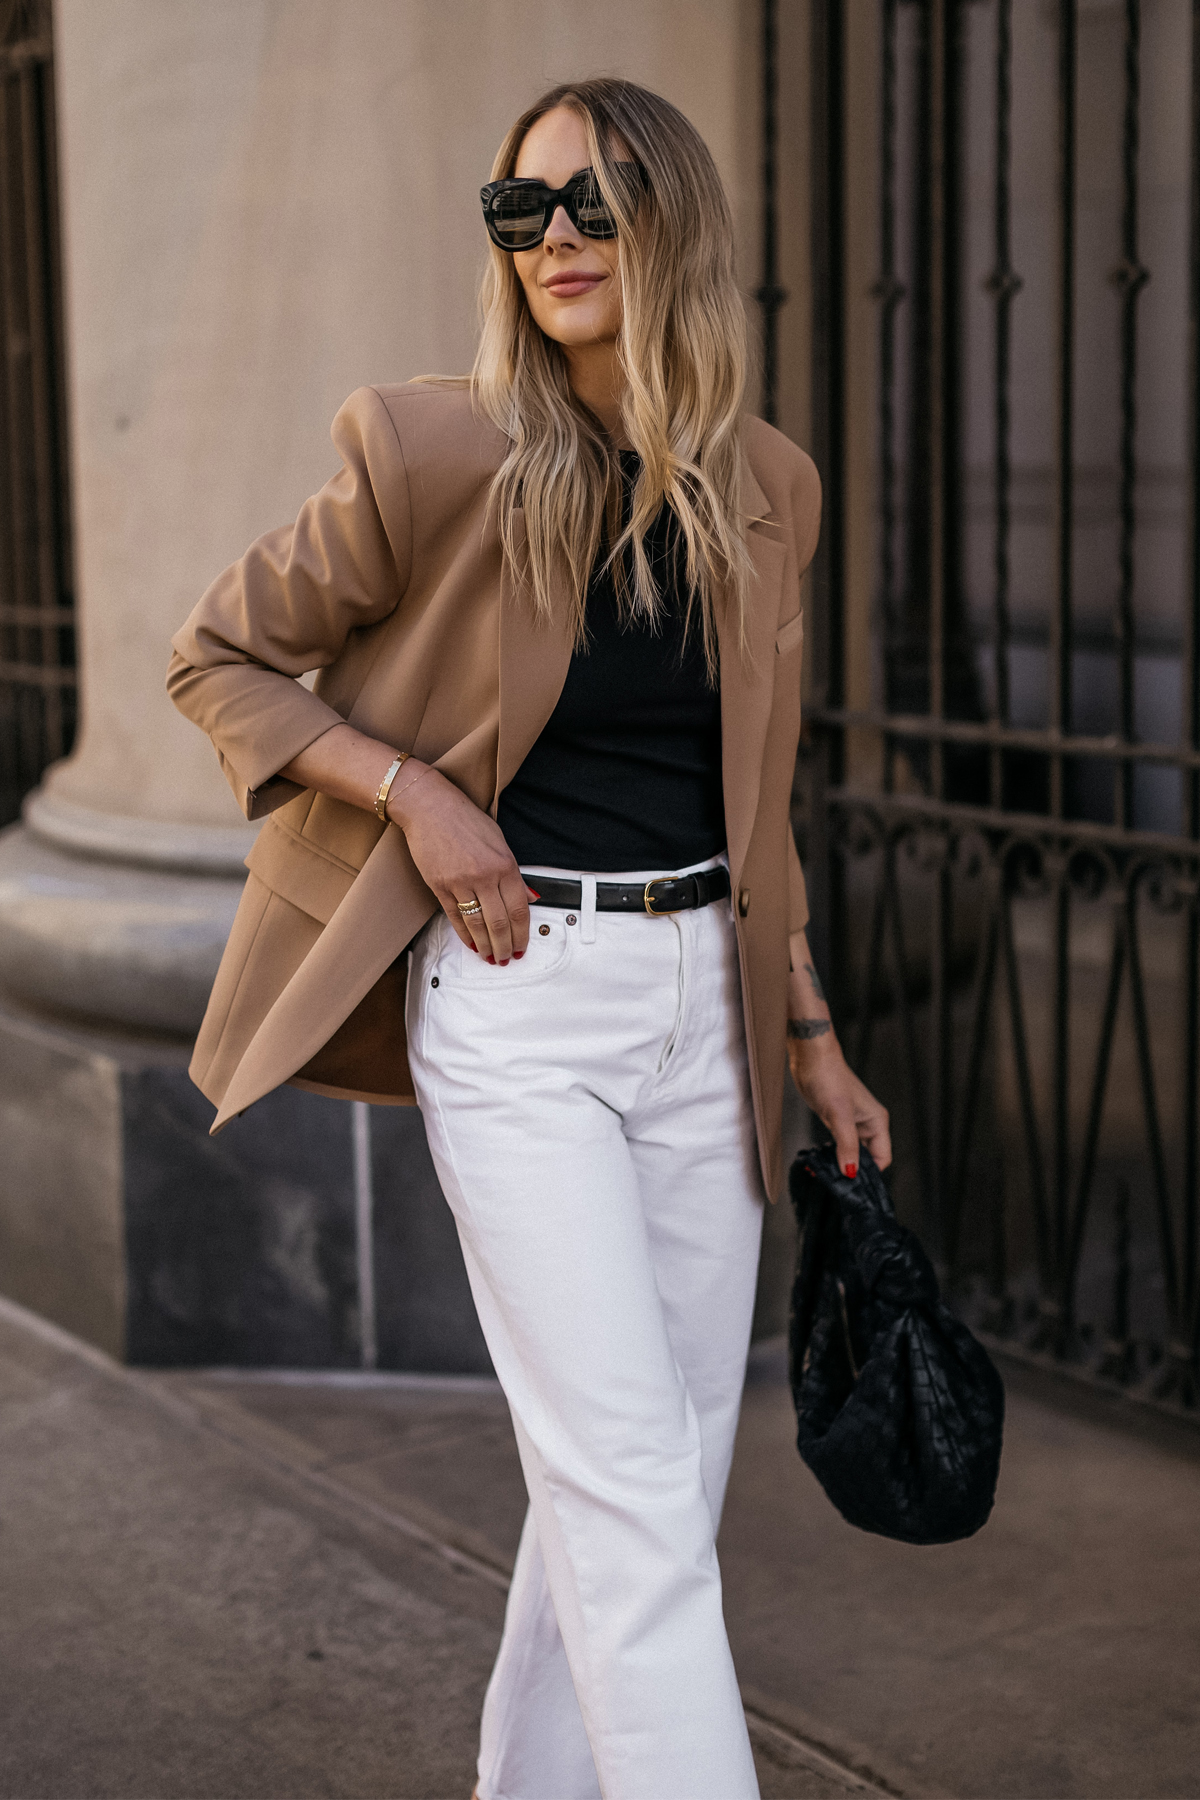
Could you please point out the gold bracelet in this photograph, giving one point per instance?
(385, 786)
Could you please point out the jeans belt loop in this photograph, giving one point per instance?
(587, 909)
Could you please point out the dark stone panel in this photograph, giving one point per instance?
(240, 1247)
(426, 1316)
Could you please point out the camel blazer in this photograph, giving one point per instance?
(392, 585)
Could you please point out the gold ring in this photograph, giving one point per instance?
(468, 908)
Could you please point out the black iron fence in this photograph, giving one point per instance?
(37, 636)
(1000, 786)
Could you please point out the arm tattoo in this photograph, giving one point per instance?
(818, 990)
(807, 1028)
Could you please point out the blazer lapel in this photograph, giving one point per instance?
(534, 655)
(748, 676)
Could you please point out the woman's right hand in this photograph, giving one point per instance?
(459, 850)
(461, 854)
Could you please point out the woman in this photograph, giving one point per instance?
(527, 857)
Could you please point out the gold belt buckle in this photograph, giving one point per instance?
(668, 912)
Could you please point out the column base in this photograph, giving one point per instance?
(107, 943)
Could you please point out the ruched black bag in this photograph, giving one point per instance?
(900, 1412)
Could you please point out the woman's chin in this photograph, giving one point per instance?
(578, 328)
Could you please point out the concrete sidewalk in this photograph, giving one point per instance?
(258, 1588)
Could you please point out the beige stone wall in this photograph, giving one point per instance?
(268, 202)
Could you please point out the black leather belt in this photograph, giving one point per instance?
(669, 894)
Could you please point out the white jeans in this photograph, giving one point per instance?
(589, 1115)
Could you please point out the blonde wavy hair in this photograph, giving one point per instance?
(682, 349)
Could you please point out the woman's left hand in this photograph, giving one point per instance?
(826, 1081)
(831, 1089)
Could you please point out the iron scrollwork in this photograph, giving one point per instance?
(1088, 1253)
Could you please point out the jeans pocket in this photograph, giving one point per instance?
(548, 948)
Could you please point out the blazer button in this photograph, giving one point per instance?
(743, 901)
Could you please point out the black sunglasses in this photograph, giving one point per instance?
(517, 213)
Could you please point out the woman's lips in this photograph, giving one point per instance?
(568, 285)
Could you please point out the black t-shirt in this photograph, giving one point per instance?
(627, 772)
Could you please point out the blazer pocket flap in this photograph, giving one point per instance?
(300, 872)
(790, 636)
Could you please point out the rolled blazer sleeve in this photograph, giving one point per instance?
(288, 606)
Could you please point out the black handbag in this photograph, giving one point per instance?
(899, 1410)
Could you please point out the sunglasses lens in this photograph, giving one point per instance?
(591, 210)
(518, 217)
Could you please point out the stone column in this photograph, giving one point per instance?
(264, 206)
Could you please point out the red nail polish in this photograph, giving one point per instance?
(474, 947)
(535, 896)
(851, 1170)
(517, 955)
(491, 959)
(504, 962)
